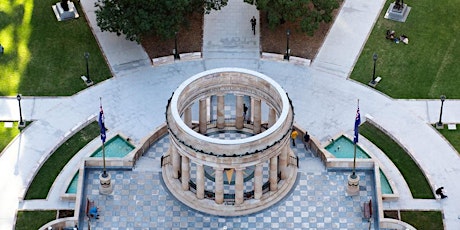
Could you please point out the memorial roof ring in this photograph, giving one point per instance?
(246, 82)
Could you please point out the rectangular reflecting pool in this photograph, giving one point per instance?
(115, 147)
(343, 147)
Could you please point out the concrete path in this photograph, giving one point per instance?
(325, 105)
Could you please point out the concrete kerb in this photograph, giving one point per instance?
(427, 176)
(45, 157)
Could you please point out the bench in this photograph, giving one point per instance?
(89, 204)
(367, 210)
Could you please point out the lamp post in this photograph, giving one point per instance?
(176, 53)
(88, 80)
(443, 98)
(286, 56)
(21, 122)
(374, 57)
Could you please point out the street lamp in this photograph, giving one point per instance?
(88, 80)
(443, 98)
(373, 73)
(21, 122)
(176, 53)
(286, 56)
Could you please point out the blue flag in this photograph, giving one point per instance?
(357, 123)
(101, 125)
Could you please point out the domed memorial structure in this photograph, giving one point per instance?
(248, 170)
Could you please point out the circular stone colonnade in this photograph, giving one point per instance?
(236, 176)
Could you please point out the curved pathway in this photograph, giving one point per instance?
(325, 105)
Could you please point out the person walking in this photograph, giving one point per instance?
(440, 192)
(294, 136)
(253, 24)
(306, 139)
(245, 112)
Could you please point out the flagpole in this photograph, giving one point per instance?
(353, 175)
(104, 173)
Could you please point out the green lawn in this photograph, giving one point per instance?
(7, 134)
(33, 220)
(45, 177)
(428, 66)
(44, 57)
(453, 136)
(414, 177)
(423, 220)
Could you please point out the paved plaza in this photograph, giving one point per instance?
(141, 201)
(324, 101)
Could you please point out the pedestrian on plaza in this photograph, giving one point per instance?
(245, 111)
(306, 139)
(294, 135)
(93, 212)
(253, 24)
(440, 192)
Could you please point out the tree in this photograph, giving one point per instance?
(137, 18)
(309, 13)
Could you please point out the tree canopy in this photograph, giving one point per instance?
(309, 13)
(137, 18)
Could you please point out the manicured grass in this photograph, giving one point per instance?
(423, 220)
(414, 177)
(43, 56)
(453, 136)
(45, 177)
(428, 66)
(33, 220)
(7, 134)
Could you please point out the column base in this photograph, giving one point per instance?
(105, 184)
(353, 185)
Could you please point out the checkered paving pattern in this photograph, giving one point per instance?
(140, 201)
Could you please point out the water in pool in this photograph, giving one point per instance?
(343, 147)
(115, 147)
(384, 184)
(72, 189)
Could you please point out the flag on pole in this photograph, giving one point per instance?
(101, 125)
(357, 123)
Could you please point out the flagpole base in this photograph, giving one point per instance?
(105, 184)
(353, 185)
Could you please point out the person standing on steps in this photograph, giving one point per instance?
(253, 24)
(245, 112)
(294, 136)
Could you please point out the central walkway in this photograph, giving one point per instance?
(228, 34)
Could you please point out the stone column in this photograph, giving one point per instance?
(271, 117)
(175, 157)
(239, 112)
(188, 116)
(257, 112)
(185, 173)
(219, 183)
(239, 186)
(283, 162)
(220, 111)
(273, 174)
(200, 181)
(258, 176)
(203, 116)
